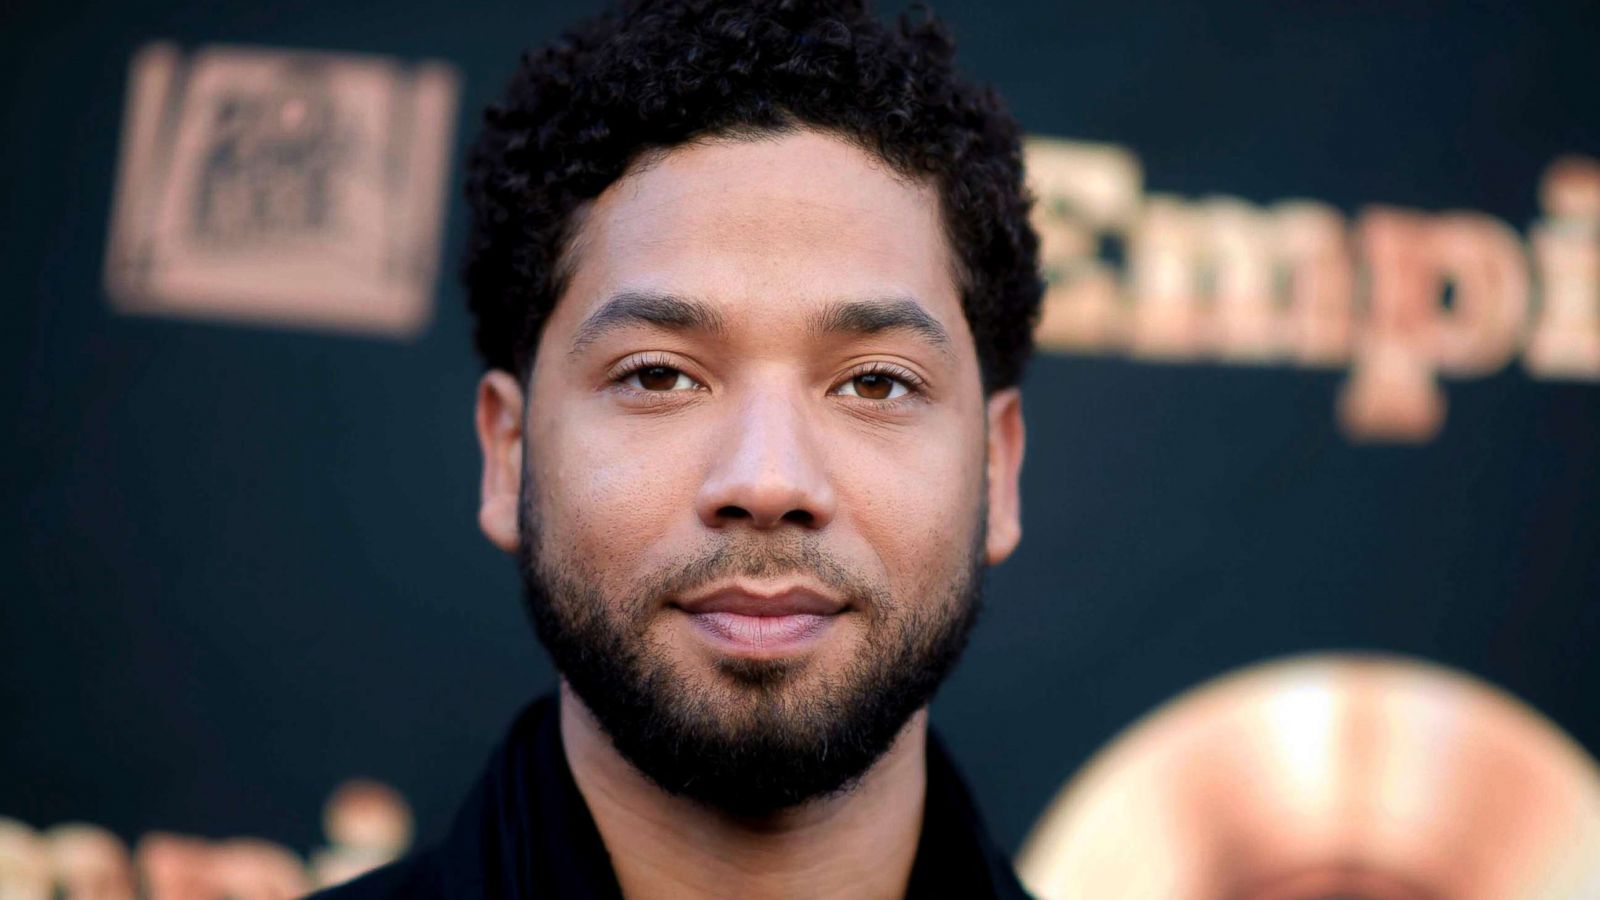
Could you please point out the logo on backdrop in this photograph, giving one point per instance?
(281, 186)
(307, 189)
(1398, 297)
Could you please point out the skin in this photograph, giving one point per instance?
(762, 428)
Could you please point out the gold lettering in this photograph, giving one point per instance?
(176, 867)
(89, 862)
(1565, 342)
(1314, 256)
(1083, 192)
(253, 869)
(24, 863)
(1485, 263)
(1246, 318)
(1164, 267)
(1391, 393)
(1402, 298)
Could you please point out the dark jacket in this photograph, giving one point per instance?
(525, 832)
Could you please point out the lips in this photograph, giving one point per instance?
(746, 600)
(762, 620)
(762, 632)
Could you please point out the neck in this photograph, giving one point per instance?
(860, 843)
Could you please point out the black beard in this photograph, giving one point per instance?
(754, 743)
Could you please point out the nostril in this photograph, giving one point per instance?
(733, 512)
(799, 517)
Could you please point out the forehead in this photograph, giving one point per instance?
(765, 228)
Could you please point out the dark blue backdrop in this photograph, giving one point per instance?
(243, 563)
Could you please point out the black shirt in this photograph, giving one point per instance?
(525, 832)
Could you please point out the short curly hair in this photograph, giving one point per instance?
(661, 73)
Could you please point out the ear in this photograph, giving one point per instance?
(1005, 470)
(499, 423)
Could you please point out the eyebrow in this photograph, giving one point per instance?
(863, 317)
(647, 308)
(672, 312)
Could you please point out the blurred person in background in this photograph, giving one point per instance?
(754, 286)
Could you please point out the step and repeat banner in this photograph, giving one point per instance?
(1311, 496)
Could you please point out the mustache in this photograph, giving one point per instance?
(764, 559)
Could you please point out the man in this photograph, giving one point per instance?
(754, 285)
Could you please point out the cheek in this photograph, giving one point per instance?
(915, 507)
(608, 495)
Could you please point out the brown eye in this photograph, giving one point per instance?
(874, 386)
(659, 378)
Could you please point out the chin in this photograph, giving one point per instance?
(760, 674)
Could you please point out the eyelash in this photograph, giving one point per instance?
(634, 365)
(913, 384)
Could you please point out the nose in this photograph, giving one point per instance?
(767, 470)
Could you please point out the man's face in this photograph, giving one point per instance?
(757, 484)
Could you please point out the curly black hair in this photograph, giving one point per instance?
(660, 73)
